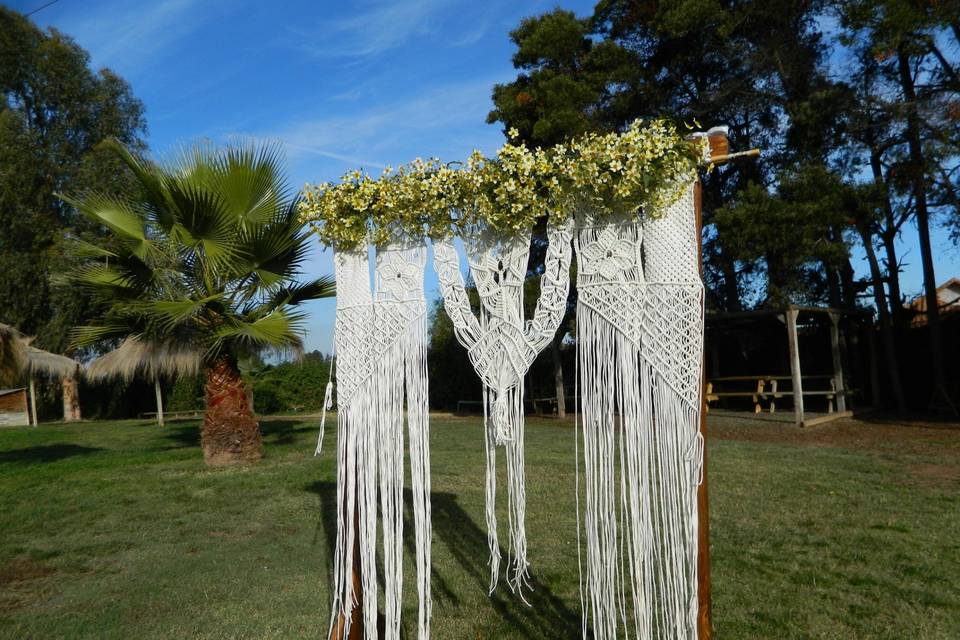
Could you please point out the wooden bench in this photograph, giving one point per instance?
(745, 387)
(829, 394)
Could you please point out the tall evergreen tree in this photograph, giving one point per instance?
(54, 113)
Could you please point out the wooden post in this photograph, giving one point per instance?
(33, 403)
(356, 615)
(71, 398)
(791, 318)
(837, 361)
(704, 602)
(159, 392)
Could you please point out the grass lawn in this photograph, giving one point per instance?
(117, 530)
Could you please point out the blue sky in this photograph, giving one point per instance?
(341, 85)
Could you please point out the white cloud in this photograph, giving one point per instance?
(370, 31)
(129, 37)
(445, 121)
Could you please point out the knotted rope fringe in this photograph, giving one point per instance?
(502, 345)
(382, 377)
(639, 346)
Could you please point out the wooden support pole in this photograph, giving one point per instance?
(795, 375)
(837, 362)
(159, 392)
(704, 601)
(356, 614)
(33, 403)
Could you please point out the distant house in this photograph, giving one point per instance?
(13, 408)
(948, 297)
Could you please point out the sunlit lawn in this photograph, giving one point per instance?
(117, 530)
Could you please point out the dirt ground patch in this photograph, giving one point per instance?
(17, 582)
(873, 433)
(21, 570)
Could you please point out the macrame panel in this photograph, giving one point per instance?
(639, 342)
(502, 345)
(381, 388)
(400, 357)
(356, 435)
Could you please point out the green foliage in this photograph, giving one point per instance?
(54, 112)
(292, 387)
(206, 254)
(810, 202)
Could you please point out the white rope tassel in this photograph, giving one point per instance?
(356, 468)
(502, 345)
(639, 348)
(401, 383)
(327, 406)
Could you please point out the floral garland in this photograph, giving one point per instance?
(644, 167)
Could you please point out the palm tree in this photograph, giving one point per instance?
(204, 263)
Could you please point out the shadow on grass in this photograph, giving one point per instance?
(46, 453)
(274, 432)
(283, 431)
(547, 615)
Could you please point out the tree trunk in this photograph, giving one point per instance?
(230, 432)
(71, 399)
(923, 218)
(558, 375)
(888, 237)
(886, 325)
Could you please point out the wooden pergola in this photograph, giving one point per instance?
(792, 317)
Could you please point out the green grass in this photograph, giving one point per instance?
(117, 530)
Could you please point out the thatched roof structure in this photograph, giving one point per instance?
(13, 354)
(148, 359)
(50, 364)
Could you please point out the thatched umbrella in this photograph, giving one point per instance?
(17, 358)
(13, 354)
(149, 359)
(59, 368)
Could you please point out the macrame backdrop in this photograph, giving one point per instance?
(381, 378)
(639, 349)
(502, 345)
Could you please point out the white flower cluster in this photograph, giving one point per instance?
(644, 166)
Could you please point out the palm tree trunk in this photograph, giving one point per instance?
(230, 432)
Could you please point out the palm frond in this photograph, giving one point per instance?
(116, 214)
(150, 179)
(90, 335)
(323, 287)
(251, 181)
(275, 330)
